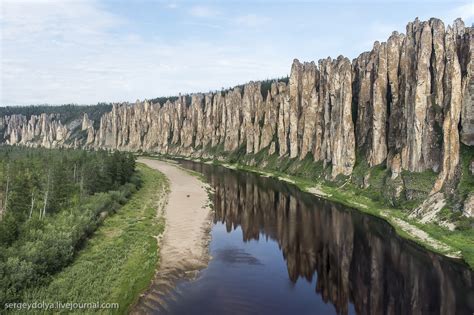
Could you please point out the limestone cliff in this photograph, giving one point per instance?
(407, 104)
(44, 130)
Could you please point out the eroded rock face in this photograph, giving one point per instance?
(312, 118)
(469, 206)
(88, 126)
(396, 133)
(296, 87)
(465, 44)
(371, 84)
(252, 114)
(270, 119)
(44, 130)
(452, 111)
(427, 211)
(341, 147)
(283, 103)
(233, 103)
(407, 103)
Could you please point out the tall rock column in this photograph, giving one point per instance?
(233, 103)
(396, 124)
(270, 119)
(466, 43)
(219, 114)
(283, 101)
(312, 118)
(209, 120)
(362, 82)
(259, 118)
(452, 111)
(371, 97)
(419, 151)
(87, 125)
(341, 124)
(295, 86)
(251, 105)
(309, 109)
(420, 97)
(438, 60)
(325, 81)
(197, 105)
(177, 118)
(378, 141)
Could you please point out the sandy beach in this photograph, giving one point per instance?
(184, 245)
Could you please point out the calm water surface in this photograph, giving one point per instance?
(277, 250)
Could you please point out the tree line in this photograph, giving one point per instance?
(50, 202)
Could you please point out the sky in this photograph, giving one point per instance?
(90, 51)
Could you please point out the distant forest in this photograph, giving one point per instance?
(265, 88)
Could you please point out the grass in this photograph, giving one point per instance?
(375, 200)
(120, 259)
(466, 183)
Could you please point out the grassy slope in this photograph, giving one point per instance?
(118, 262)
(373, 200)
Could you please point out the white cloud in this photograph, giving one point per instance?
(252, 20)
(30, 18)
(75, 51)
(463, 11)
(201, 11)
(57, 52)
(172, 5)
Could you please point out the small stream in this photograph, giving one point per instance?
(277, 250)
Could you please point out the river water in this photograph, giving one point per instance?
(277, 250)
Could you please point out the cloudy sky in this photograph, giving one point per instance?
(89, 51)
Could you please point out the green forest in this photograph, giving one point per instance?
(50, 202)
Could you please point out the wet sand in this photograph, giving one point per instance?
(184, 245)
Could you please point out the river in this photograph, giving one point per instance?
(277, 250)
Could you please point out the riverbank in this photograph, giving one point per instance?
(119, 260)
(184, 246)
(455, 244)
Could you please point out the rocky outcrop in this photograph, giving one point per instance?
(44, 130)
(252, 117)
(270, 120)
(282, 101)
(465, 43)
(429, 210)
(469, 205)
(371, 82)
(88, 126)
(406, 104)
(451, 110)
(338, 139)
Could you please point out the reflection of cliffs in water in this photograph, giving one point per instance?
(357, 258)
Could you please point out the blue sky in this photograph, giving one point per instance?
(89, 51)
